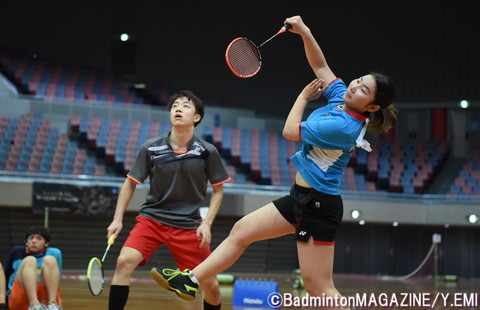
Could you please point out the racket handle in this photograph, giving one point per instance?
(284, 29)
(111, 240)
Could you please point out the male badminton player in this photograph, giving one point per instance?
(179, 166)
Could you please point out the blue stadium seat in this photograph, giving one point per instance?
(245, 152)
(227, 143)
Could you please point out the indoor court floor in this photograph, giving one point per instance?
(374, 292)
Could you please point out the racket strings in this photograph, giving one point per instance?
(243, 57)
(95, 277)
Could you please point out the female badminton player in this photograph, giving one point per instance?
(313, 210)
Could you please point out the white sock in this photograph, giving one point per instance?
(193, 278)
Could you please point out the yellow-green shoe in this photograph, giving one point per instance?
(176, 281)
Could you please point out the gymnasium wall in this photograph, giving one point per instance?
(427, 48)
(238, 201)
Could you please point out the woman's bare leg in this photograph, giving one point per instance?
(316, 265)
(264, 223)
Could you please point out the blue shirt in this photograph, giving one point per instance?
(16, 258)
(329, 137)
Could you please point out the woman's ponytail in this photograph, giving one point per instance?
(384, 96)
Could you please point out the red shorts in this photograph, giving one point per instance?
(19, 300)
(148, 235)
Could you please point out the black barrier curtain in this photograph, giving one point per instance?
(73, 199)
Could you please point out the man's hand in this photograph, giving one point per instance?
(204, 234)
(114, 229)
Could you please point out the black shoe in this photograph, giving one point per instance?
(176, 281)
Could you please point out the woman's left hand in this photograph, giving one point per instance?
(313, 90)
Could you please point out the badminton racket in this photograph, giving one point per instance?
(95, 275)
(243, 56)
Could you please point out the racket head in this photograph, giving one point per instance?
(95, 276)
(243, 57)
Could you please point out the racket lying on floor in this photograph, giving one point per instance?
(243, 56)
(95, 275)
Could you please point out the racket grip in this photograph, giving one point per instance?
(111, 240)
(284, 29)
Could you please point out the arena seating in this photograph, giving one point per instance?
(30, 144)
(54, 82)
(253, 153)
(467, 182)
(103, 146)
(403, 166)
(157, 94)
